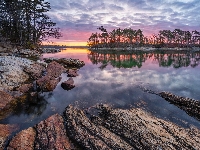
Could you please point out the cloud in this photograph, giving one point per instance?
(150, 16)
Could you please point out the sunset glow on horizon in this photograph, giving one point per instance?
(66, 43)
(79, 19)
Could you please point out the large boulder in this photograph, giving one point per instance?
(50, 80)
(52, 77)
(47, 83)
(23, 140)
(68, 85)
(5, 99)
(5, 132)
(51, 134)
(144, 131)
(12, 74)
(35, 70)
(88, 135)
(48, 134)
(54, 69)
(127, 129)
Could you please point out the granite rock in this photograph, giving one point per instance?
(47, 83)
(35, 70)
(72, 73)
(5, 99)
(190, 106)
(68, 85)
(5, 132)
(88, 135)
(144, 131)
(24, 140)
(51, 134)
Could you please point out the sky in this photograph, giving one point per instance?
(78, 19)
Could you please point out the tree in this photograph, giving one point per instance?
(24, 22)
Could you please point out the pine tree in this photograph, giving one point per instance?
(24, 22)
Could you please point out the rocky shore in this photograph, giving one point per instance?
(107, 128)
(111, 129)
(146, 49)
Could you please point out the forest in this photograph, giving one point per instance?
(128, 37)
(25, 23)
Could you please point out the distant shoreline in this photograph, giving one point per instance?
(146, 49)
(62, 47)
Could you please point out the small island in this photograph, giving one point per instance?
(130, 39)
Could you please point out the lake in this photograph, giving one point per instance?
(115, 78)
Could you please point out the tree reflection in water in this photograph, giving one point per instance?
(129, 59)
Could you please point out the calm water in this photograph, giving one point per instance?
(114, 78)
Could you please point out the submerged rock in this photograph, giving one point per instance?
(68, 85)
(190, 106)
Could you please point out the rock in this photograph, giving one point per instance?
(25, 88)
(48, 134)
(51, 134)
(72, 73)
(50, 50)
(47, 83)
(4, 54)
(88, 135)
(13, 76)
(54, 69)
(190, 106)
(5, 132)
(24, 140)
(68, 85)
(34, 97)
(50, 80)
(5, 99)
(29, 52)
(42, 63)
(143, 131)
(67, 62)
(35, 71)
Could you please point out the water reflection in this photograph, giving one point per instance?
(120, 59)
(113, 78)
(26, 111)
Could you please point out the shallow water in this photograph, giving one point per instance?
(115, 78)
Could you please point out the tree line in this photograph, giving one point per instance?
(24, 22)
(135, 38)
(130, 59)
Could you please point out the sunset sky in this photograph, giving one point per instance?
(79, 18)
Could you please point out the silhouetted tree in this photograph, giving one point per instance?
(24, 22)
